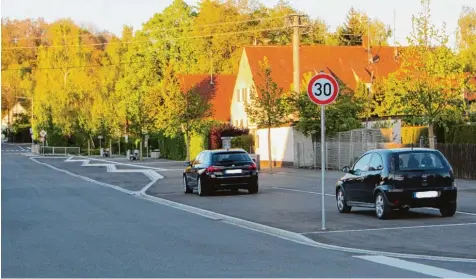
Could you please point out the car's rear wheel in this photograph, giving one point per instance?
(382, 209)
(253, 188)
(341, 202)
(186, 189)
(202, 189)
(448, 210)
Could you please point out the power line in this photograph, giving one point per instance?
(76, 67)
(160, 29)
(149, 40)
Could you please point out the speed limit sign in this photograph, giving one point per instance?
(323, 89)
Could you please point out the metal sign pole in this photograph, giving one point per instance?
(323, 165)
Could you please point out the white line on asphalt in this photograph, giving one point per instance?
(416, 267)
(391, 228)
(125, 164)
(332, 195)
(302, 191)
(84, 177)
(287, 235)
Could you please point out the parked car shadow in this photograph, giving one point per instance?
(414, 213)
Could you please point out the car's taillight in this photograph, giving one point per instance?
(211, 169)
(252, 167)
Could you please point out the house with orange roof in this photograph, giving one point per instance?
(350, 65)
(217, 89)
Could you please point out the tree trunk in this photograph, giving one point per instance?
(187, 143)
(92, 141)
(431, 135)
(270, 159)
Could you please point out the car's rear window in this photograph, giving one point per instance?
(230, 157)
(419, 161)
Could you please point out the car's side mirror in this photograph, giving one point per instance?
(346, 169)
(187, 164)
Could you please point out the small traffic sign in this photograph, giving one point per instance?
(31, 131)
(323, 89)
(43, 133)
(100, 137)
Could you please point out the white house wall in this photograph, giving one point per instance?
(244, 80)
(282, 147)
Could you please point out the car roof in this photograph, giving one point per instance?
(403, 149)
(225, 150)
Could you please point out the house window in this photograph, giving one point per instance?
(244, 92)
(238, 95)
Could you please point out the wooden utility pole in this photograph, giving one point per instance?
(295, 22)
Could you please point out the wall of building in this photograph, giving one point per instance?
(242, 90)
(282, 146)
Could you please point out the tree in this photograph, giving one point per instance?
(179, 111)
(467, 38)
(358, 25)
(431, 79)
(267, 107)
(342, 115)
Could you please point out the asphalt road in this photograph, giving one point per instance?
(57, 225)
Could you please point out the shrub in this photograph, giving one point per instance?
(224, 130)
(412, 134)
(461, 134)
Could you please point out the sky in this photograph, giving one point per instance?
(111, 15)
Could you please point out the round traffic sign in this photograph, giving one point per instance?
(323, 89)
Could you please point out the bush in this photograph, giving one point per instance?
(224, 130)
(412, 134)
(244, 141)
(172, 148)
(461, 134)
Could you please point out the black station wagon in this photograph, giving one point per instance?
(398, 179)
(223, 169)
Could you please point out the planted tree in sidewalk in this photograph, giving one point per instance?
(179, 111)
(431, 79)
(266, 107)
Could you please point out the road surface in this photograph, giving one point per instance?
(58, 225)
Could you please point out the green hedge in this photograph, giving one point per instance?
(243, 141)
(461, 134)
(172, 148)
(412, 134)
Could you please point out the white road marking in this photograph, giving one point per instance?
(333, 195)
(152, 175)
(391, 228)
(416, 267)
(124, 164)
(84, 177)
(302, 191)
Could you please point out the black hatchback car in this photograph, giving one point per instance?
(398, 179)
(230, 169)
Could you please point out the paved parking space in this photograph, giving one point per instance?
(293, 204)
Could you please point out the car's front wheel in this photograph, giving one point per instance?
(448, 210)
(341, 202)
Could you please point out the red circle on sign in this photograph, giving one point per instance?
(334, 92)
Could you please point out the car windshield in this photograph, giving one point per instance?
(419, 161)
(226, 157)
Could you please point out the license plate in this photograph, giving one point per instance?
(427, 194)
(233, 171)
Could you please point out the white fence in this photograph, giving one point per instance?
(59, 150)
(341, 150)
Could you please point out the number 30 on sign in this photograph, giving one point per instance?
(323, 89)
